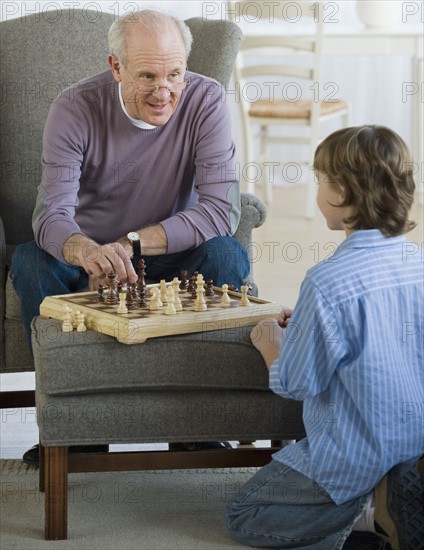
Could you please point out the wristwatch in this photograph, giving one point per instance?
(134, 239)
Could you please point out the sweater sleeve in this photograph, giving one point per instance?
(63, 144)
(217, 210)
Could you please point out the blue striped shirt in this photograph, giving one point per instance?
(353, 353)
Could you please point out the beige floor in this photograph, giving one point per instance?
(283, 249)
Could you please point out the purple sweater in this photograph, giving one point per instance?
(103, 176)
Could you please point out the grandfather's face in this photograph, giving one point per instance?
(153, 58)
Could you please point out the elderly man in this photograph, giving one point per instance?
(138, 162)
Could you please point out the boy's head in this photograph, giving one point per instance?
(371, 168)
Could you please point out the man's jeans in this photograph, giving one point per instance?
(281, 508)
(36, 274)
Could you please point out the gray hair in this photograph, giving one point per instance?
(150, 20)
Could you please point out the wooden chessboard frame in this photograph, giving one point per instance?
(136, 326)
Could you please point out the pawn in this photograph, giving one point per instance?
(100, 291)
(225, 299)
(209, 288)
(129, 299)
(81, 327)
(244, 300)
(67, 321)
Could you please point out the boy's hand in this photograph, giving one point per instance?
(284, 317)
(266, 336)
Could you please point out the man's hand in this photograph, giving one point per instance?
(99, 260)
(266, 337)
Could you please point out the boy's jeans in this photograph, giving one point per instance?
(36, 274)
(281, 508)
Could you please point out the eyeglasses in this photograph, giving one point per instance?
(153, 89)
(173, 87)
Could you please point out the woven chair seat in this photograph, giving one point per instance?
(281, 108)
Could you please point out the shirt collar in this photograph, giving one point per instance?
(369, 238)
(137, 122)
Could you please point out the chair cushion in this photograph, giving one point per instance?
(288, 109)
(90, 362)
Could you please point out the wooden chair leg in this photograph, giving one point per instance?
(56, 489)
(41, 469)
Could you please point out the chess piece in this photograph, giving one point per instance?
(100, 290)
(155, 302)
(112, 295)
(67, 321)
(170, 308)
(244, 300)
(184, 280)
(129, 299)
(141, 283)
(200, 303)
(81, 322)
(192, 284)
(176, 288)
(162, 286)
(122, 308)
(209, 288)
(225, 299)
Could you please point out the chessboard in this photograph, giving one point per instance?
(221, 310)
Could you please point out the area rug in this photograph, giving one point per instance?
(155, 510)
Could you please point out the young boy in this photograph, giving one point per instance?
(352, 351)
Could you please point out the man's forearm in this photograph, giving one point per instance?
(76, 248)
(153, 240)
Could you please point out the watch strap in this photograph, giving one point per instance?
(136, 248)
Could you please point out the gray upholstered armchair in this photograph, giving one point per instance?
(42, 54)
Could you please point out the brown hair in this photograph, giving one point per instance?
(373, 166)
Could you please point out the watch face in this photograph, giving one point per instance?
(133, 236)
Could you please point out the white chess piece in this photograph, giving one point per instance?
(225, 299)
(155, 302)
(67, 321)
(170, 308)
(200, 302)
(244, 300)
(122, 308)
(163, 291)
(177, 300)
(81, 322)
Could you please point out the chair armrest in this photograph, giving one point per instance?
(253, 215)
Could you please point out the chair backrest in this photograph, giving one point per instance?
(43, 54)
(286, 58)
(215, 47)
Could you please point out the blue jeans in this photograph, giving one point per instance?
(281, 508)
(36, 274)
